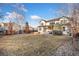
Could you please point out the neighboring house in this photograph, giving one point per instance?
(2, 28)
(61, 23)
(12, 28)
(8, 27)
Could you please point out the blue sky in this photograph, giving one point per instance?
(34, 12)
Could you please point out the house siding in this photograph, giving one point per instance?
(58, 24)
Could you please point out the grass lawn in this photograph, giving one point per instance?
(25, 44)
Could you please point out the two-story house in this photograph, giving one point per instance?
(44, 26)
(61, 23)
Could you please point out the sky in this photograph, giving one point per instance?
(33, 12)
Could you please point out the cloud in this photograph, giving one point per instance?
(35, 17)
(23, 8)
(20, 7)
(11, 15)
(8, 13)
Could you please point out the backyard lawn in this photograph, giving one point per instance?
(26, 44)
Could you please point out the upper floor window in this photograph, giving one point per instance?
(42, 24)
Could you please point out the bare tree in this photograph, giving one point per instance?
(75, 18)
(74, 14)
(20, 14)
(20, 21)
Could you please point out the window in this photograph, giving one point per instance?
(42, 24)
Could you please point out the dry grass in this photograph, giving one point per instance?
(25, 44)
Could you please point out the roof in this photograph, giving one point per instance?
(44, 20)
(57, 19)
(51, 20)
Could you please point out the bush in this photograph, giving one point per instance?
(56, 32)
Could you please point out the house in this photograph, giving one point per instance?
(2, 28)
(13, 28)
(7, 27)
(17, 29)
(61, 23)
(44, 26)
